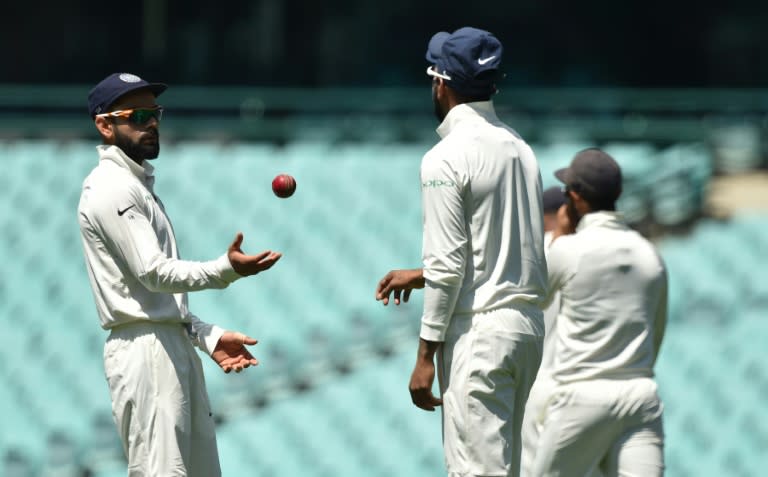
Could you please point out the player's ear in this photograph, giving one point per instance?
(105, 128)
(580, 203)
(441, 88)
(576, 198)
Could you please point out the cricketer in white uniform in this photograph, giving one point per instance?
(552, 198)
(484, 271)
(604, 412)
(159, 401)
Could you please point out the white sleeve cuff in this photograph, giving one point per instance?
(204, 335)
(211, 339)
(225, 270)
(432, 331)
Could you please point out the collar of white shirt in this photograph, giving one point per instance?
(463, 111)
(144, 172)
(602, 218)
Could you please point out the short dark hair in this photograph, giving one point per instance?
(594, 202)
(485, 76)
(597, 205)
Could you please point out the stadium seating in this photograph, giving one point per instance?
(334, 363)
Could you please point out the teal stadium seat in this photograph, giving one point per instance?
(680, 183)
(637, 162)
(711, 368)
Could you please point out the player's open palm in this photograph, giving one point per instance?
(247, 265)
(231, 354)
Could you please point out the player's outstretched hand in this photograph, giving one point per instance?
(230, 352)
(246, 265)
(421, 385)
(399, 282)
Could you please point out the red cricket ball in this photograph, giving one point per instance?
(284, 185)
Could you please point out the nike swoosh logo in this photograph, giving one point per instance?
(121, 212)
(482, 61)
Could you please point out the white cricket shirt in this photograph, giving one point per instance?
(550, 320)
(131, 255)
(483, 244)
(613, 301)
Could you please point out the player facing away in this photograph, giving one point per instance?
(484, 272)
(604, 412)
(159, 401)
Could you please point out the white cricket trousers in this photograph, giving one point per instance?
(612, 425)
(535, 410)
(159, 401)
(487, 365)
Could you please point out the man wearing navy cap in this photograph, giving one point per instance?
(484, 273)
(155, 377)
(603, 413)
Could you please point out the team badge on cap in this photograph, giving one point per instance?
(129, 78)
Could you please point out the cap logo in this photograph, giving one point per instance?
(482, 61)
(129, 78)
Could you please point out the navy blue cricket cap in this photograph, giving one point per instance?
(594, 174)
(467, 59)
(552, 199)
(116, 85)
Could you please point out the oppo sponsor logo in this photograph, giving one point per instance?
(434, 183)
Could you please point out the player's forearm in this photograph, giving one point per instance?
(167, 275)
(427, 349)
(439, 304)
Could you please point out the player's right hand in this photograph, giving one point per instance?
(421, 385)
(247, 265)
(564, 224)
(399, 282)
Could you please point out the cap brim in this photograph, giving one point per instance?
(435, 48)
(156, 88)
(563, 175)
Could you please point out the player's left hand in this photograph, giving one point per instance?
(230, 352)
(246, 265)
(421, 385)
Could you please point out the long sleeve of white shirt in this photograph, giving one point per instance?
(132, 241)
(445, 244)
(131, 254)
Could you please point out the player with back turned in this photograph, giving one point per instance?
(604, 412)
(484, 273)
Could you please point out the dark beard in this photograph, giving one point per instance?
(439, 114)
(138, 151)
